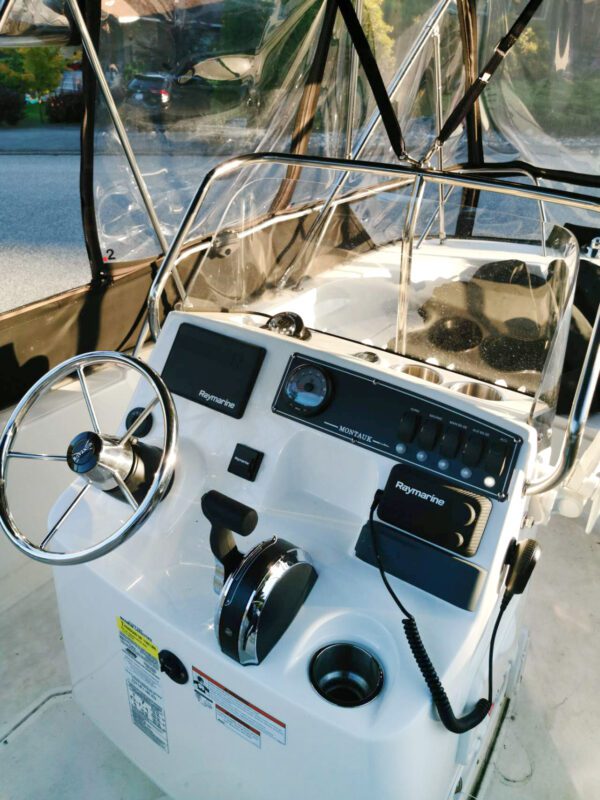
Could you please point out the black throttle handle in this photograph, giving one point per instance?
(227, 517)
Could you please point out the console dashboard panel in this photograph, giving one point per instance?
(400, 424)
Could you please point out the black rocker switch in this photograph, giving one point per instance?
(450, 443)
(473, 450)
(428, 434)
(245, 462)
(495, 459)
(408, 426)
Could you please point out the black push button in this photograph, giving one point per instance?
(495, 459)
(144, 428)
(429, 433)
(408, 426)
(450, 442)
(245, 462)
(473, 450)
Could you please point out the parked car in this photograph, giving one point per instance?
(148, 96)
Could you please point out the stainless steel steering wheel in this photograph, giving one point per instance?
(103, 461)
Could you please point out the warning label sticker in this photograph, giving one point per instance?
(237, 726)
(234, 712)
(142, 677)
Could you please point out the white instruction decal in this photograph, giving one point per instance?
(142, 671)
(233, 711)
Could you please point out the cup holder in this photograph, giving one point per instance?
(346, 675)
(481, 391)
(454, 334)
(424, 373)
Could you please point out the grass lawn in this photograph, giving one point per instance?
(34, 117)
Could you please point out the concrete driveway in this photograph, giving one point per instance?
(42, 251)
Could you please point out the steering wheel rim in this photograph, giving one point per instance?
(157, 489)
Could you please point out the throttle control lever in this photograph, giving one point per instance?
(227, 517)
(260, 592)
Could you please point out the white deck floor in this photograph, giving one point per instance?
(548, 747)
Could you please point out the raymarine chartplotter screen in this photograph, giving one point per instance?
(211, 369)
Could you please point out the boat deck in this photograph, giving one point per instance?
(547, 747)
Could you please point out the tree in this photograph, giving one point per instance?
(243, 25)
(11, 70)
(378, 31)
(44, 67)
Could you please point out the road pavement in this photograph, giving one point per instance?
(41, 241)
(47, 139)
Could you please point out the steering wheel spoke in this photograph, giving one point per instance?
(88, 399)
(63, 517)
(35, 456)
(105, 462)
(126, 492)
(137, 422)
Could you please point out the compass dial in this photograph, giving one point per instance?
(308, 389)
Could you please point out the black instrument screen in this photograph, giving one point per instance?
(211, 369)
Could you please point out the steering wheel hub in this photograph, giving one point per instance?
(84, 451)
(100, 457)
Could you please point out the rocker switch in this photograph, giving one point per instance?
(428, 434)
(495, 459)
(245, 462)
(473, 450)
(408, 426)
(451, 441)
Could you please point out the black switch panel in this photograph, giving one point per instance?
(406, 427)
(245, 462)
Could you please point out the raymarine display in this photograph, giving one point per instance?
(211, 369)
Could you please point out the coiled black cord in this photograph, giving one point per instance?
(434, 684)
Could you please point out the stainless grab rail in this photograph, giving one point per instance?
(341, 165)
(580, 410)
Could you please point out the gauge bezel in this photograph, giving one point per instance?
(309, 412)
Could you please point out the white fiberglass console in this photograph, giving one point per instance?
(312, 431)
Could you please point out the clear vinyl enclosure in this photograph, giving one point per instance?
(197, 82)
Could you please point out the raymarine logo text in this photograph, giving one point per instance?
(213, 398)
(410, 490)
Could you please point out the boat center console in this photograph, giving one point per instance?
(248, 617)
